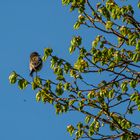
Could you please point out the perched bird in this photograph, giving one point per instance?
(35, 63)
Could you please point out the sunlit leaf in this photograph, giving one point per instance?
(22, 83)
(13, 78)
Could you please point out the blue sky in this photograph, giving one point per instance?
(26, 26)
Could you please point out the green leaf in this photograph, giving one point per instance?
(133, 96)
(60, 77)
(111, 93)
(71, 102)
(136, 57)
(72, 49)
(79, 93)
(54, 61)
(124, 123)
(22, 83)
(91, 132)
(34, 85)
(138, 45)
(139, 107)
(79, 133)
(67, 67)
(103, 10)
(47, 85)
(133, 38)
(47, 53)
(91, 127)
(112, 127)
(13, 77)
(116, 84)
(81, 9)
(65, 108)
(70, 129)
(73, 73)
(87, 119)
(133, 83)
(58, 108)
(79, 125)
(124, 86)
(59, 89)
(46, 97)
(77, 25)
(91, 95)
(67, 86)
(81, 105)
(58, 70)
(38, 96)
(126, 137)
(66, 2)
(81, 18)
(81, 65)
(119, 97)
(38, 81)
(94, 126)
(96, 41)
(138, 4)
(76, 41)
(109, 25)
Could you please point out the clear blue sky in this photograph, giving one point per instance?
(26, 26)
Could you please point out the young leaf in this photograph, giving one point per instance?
(70, 129)
(22, 84)
(13, 78)
(38, 96)
(87, 119)
(77, 25)
(109, 25)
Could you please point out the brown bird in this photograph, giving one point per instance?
(35, 63)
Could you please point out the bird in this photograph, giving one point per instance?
(35, 64)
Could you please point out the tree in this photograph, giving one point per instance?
(115, 63)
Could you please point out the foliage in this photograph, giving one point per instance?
(115, 63)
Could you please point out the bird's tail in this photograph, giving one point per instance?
(31, 73)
